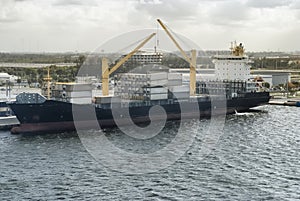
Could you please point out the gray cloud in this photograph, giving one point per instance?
(295, 4)
(229, 13)
(268, 3)
(9, 19)
(8, 14)
(61, 24)
(169, 10)
(74, 3)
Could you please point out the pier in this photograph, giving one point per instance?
(286, 102)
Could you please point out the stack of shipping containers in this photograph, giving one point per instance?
(150, 86)
(72, 92)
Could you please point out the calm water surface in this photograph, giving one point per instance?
(256, 158)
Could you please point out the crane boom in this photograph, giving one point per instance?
(106, 72)
(123, 60)
(192, 61)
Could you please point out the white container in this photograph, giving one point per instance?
(158, 96)
(157, 76)
(182, 88)
(75, 87)
(80, 100)
(156, 90)
(76, 94)
(174, 82)
(174, 76)
(157, 83)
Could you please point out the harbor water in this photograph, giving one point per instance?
(256, 157)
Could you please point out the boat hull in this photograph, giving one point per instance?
(55, 116)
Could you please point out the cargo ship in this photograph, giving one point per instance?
(70, 106)
(138, 93)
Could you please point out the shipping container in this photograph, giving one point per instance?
(76, 94)
(156, 90)
(74, 87)
(174, 82)
(80, 100)
(179, 95)
(174, 76)
(158, 76)
(182, 88)
(158, 96)
(154, 83)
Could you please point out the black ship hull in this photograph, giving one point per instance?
(57, 116)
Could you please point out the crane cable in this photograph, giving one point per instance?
(179, 38)
(130, 45)
(126, 48)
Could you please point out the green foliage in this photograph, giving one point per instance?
(266, 84)
(275, 63)
(174, 61)
(58, 74)
(37, 74)
(39, 58)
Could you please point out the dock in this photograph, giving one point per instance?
(285, 102)
(6, 123)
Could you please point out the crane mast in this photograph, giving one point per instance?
(192, 61)
(48, 80)
(106, 72)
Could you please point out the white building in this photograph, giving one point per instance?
(4, 77)
(264, 78)
(147, 57)
(273, 77)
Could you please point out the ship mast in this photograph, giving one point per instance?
(48, 80)
(237, 50)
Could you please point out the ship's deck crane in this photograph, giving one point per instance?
(48, 80)
(192, 61)
(106, 71)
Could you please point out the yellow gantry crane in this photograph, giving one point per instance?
(192, 61)
(106, 71)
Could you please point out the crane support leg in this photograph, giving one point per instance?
(105, 77)
(193, 73)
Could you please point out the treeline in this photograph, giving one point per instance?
(36, 75)
(276, 63)
(92, 65)
(169, 60)
(39, 58)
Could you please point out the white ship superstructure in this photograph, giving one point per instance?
(234, 66)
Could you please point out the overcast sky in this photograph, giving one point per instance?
(83, 25)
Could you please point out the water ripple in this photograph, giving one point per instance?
(256, 158)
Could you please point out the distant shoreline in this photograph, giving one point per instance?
(35, 65)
